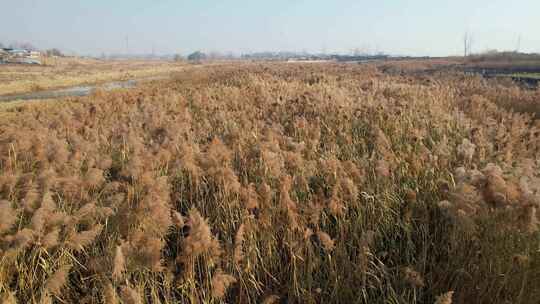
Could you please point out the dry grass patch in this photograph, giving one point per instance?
(65, 73)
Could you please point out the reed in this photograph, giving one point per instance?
(273, 183)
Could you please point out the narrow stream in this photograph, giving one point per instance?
(68, 92)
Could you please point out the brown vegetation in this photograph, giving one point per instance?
(65, 72)
(273, 183)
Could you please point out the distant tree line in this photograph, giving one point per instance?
(201, 56)
(54, 52)
(197, 56)
(19, 45)
(503, 56)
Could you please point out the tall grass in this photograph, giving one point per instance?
(271, 184)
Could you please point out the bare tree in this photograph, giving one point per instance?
(23, 45)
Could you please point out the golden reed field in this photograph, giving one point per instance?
(274, 183)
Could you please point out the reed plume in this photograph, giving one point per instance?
(221, 283)
(413, 277)
(130, 296)
(79, 240)
(238, 242)
(57, 280)
(178, 220)
(326, 241)
(445, 298)
(200, 239)
(8, 218)
(119, 264)
(109, 294)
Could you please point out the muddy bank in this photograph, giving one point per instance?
(69, 92)
(77, 91)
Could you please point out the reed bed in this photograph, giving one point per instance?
(272, 183)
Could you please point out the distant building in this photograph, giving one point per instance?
(34, 54)
(18, 53)
(21, 56)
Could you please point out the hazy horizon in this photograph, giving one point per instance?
(417, 28)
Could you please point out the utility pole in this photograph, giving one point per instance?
(467, 44)
(465, 39)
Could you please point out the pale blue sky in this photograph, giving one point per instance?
(414, 27)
